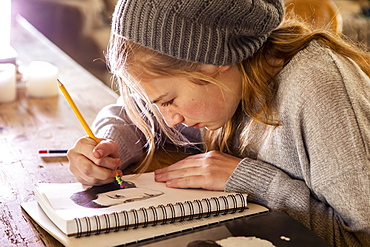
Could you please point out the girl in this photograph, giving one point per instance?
(274, 109)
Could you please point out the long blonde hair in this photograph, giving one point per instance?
(130, 63)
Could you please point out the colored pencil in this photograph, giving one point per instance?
(53, 151)
(84, 124)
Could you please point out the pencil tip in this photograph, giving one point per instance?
(60, 84)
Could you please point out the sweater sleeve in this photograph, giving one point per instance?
(113, 123)
(272, 187)
(331, 193)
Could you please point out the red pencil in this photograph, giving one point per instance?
(53, 151)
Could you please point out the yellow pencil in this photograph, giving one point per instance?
(77, 112)
(84, 124)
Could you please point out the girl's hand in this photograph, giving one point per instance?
(92, 163)
(209, 171)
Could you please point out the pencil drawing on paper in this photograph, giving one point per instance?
(111, 194)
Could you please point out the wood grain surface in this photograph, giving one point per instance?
(29, 124)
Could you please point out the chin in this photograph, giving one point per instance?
(212, 127)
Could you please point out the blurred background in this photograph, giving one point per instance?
(81, 27)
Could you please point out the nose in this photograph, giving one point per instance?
(171, 118)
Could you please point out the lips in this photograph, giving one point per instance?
(196, 126)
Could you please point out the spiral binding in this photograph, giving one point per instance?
(88, 226)
(218, 207)
(235, 204)
(97, 222)
(116, 220)
(200, 208)
(191, 209)
(173, 212)
(136, 219)
(107, 223)
(209, 209)
(146, 219)
(79, 227)
(155, 215)
(127, 221)
(164, 214)
(243, 202)
(180, 211)
(226, 203)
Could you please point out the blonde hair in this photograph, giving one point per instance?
(321, 14)
(130, 63)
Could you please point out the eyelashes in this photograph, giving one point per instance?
(170, 102)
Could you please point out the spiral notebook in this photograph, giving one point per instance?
(136, 237)
(81, 211)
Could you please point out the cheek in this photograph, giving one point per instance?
(200, 108)
(193, 107)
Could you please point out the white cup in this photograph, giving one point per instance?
(8, 86)
(42, 79)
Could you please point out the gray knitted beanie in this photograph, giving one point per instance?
(218, 32)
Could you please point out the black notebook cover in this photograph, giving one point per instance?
(278, 228)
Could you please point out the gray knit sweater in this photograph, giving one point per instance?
(316, 165)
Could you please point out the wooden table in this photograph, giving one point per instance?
(30, 124)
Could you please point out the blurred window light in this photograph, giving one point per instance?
(5, 22)
(7, 53)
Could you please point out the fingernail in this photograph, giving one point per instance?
(158, 176)
(157, 171)
(99, 151)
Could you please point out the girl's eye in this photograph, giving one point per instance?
(167, 103)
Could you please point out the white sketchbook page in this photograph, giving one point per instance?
(129, 236)
(59, 197)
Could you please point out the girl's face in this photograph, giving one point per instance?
(181, 101)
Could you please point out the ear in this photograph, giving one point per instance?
(213, 69)
(224, 68)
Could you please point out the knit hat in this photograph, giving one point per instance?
(218, 32)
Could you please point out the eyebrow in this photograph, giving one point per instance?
(159, 98)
